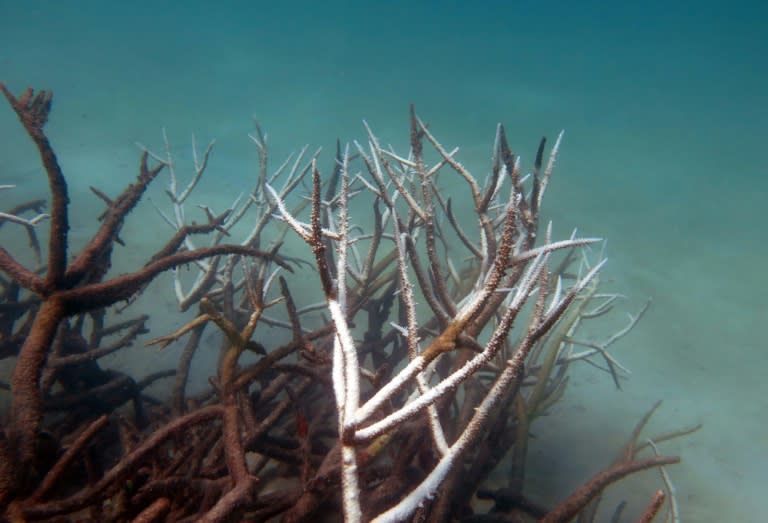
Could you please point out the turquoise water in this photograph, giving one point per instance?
(664, 104)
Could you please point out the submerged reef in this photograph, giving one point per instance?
(434, 345)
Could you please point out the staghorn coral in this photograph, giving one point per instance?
(385, 411)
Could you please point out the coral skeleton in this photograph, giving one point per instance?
(380, 356)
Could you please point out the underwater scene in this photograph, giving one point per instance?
(494, 261)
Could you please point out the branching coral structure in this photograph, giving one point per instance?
(436, 344)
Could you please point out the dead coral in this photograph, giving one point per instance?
(385, 410)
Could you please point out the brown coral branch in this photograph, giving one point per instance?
(21, 275)
(568, 509)
(65, 460)
(33, 110)
(27, 401)
(154, 512)
(316, 238)
(113, 221)
(103, 294)
(126, 465)
(653, 507)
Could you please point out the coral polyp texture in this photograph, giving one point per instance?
(434, 342)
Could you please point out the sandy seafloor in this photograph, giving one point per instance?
(664, 104)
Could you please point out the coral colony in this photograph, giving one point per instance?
(407, 394)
